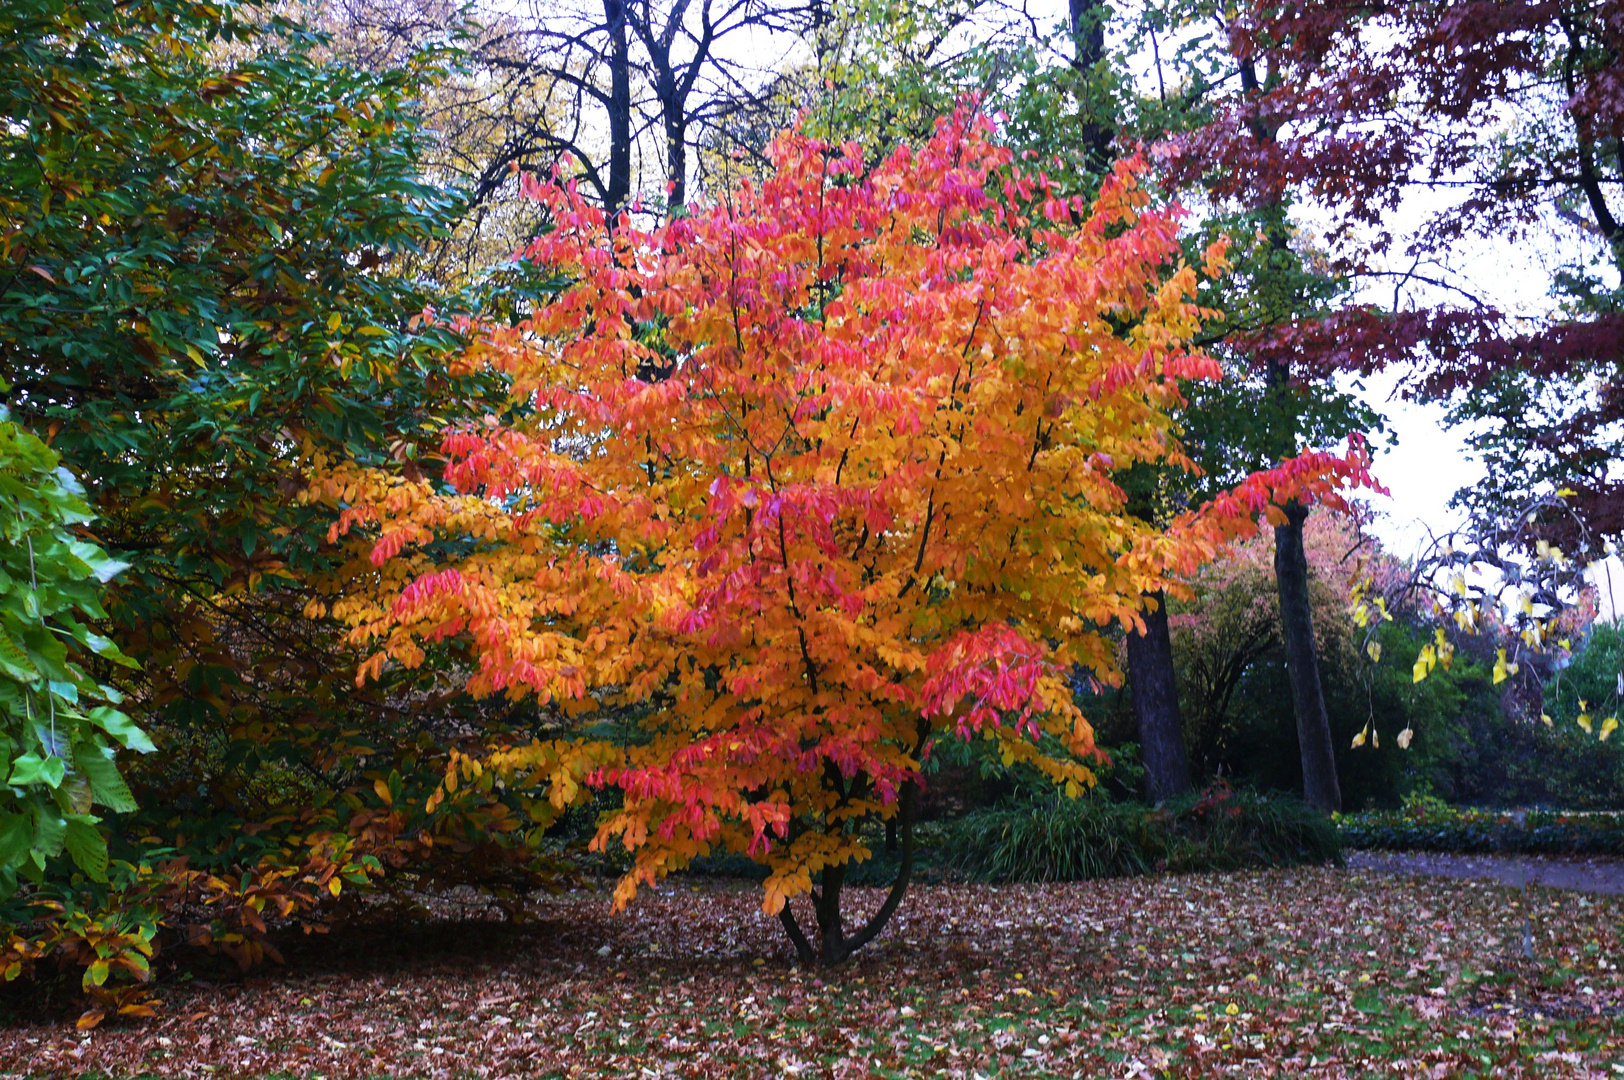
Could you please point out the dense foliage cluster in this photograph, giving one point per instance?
(812, 479)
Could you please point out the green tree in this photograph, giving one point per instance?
(203, 212)
(61, 727)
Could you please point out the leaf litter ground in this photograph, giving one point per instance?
(1309, 972)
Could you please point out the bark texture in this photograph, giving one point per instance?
(1156, 703)
(1320, 786)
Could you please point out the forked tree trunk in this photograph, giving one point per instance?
(834, 947)
(1320, 785)
(1151, 677)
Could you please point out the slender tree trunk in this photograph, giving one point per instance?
(834, 947)
(1151, 675)
(620, 110)
(676, 161)
(1320, 785)
(1156, 703)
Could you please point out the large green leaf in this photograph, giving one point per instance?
(87, 845)
(98, 765)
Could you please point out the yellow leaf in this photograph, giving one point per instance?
(1359, 739)
(1585, 722)
(334, 885)
(383, 792)
(1374, 651)
(1545, 718)
(334, 321)
(1608, 726)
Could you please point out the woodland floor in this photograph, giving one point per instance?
(1302, 973)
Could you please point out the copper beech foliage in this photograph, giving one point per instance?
(804, 482)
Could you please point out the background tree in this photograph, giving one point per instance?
(1506, 116)
(620, 94)
(197, 294)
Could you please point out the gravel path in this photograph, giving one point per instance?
(1586, 874)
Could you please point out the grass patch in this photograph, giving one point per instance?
(1085, 839)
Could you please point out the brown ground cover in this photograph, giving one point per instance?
(1310, 973)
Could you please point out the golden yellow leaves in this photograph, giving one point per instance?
(786, 552)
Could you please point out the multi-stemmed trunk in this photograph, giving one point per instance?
(834, 946)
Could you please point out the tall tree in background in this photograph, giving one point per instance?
(1506, 120)
(1280, 279)
(618, 93)
(1508, 116)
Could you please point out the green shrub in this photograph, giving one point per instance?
(1076, 840)
(1429, 824)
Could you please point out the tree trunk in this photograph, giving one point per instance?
(676, 161)
(1088, 18)
(620, 110)
(1320, 785)
(1156, 703)
(834, 947)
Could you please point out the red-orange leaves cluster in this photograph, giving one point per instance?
(805, 481)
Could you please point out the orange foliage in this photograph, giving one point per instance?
(805, 482)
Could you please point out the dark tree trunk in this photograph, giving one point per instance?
(1088, 31)
(620, 110)
(676, 160)
(1156, 703)
(834, 947)
(1320, 785)
(1088, 36)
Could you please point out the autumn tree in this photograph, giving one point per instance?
(1506, 119)
(868, 505)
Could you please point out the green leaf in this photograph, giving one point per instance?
(101, 564)
(120, 727)
(32, 769)
(99, 765)
(50, 828)
(16, 837)
(87, 845)
(14, 662)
